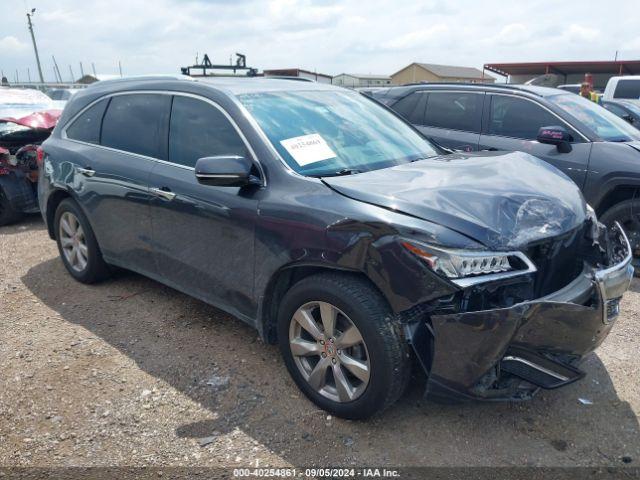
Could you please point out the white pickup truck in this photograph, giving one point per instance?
(626, 87)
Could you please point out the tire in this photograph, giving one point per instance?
(93, 269)
(8, 214)
(627, 213)
(382, 347)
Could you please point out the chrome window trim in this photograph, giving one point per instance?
(254, 158)
(566, 123)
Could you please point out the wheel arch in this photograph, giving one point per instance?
(617, 194)
(282, 280)
(54, 199)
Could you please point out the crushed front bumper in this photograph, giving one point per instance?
(509, 353)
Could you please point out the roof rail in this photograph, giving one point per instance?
(137, 78)
(498, 86)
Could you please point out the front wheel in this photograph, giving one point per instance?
(342, 346)
(627, 213)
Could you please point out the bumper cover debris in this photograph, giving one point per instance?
(509, 353)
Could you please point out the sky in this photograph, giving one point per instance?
(332, 37)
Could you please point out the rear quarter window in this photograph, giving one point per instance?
(86, 128)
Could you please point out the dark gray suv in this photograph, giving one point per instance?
(599, 151)
(330, 225)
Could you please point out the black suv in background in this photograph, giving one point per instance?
(599, 151)
(330, 225)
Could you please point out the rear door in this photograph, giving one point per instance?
(512, 123)
(453, 118)
(119, 140)
(203, 235)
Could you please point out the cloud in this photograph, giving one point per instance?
(418, 38)
(331, 36)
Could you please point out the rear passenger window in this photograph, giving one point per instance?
(86, 128)
(454, 110)
(197, 130)
(411, 107)
(518, 118)
(138, 124)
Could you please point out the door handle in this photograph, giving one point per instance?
(163, 193)
(87, 172)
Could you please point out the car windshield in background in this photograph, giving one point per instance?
(603, 123)
(333, 133)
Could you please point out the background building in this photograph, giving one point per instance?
(298, 72)
(354, 80)
(567, 72)
(429, 72)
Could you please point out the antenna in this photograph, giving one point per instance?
(33, 39)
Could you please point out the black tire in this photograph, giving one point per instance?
(8, 214)
(387, 350)
(96, 269)
(627, 213)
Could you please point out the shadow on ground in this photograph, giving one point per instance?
(185, 342)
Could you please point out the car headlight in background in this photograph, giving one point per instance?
(466, 267)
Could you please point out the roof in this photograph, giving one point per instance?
(450, 71)
(232, 85)
(620, 67)
(293, 72)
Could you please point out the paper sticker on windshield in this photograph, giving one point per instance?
(308, 149)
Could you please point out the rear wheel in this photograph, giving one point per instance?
(8, 214)
(341, 345)
(627, 213)
(77, 244)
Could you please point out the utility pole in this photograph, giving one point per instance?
(73, 79)
(120, 68)
(81, 70)
(35, 47)
(93, 66)
(56, 69)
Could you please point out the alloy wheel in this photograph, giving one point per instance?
(329, 351)
(73, 242)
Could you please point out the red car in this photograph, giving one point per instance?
(27, 118)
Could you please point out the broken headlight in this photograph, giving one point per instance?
(461, 264)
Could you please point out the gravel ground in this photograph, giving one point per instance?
(130, 372)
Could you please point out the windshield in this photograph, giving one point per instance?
(633, 107)
(322, 133)
(601, 121)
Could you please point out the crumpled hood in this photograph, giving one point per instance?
(501, 199)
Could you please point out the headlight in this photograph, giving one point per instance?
(466, 267)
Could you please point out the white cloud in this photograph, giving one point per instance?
(331, 36)
(11, 45)
(418, 38)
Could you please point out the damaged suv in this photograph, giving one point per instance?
(335, 229)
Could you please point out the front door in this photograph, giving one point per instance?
(513, 124)
(203, 235)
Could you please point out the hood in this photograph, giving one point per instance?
(502, 199)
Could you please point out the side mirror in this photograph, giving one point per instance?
(555, 135)
(225, 171)
(627, 117)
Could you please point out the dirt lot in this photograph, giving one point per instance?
(130, 372)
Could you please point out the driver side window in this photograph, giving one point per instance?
(198, 129)
(518, 118)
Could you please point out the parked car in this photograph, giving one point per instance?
(330, 225)
(597, 150)
(26, 119)
(623, 88)
(628, 111)
(61, 96)
(570, 87)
